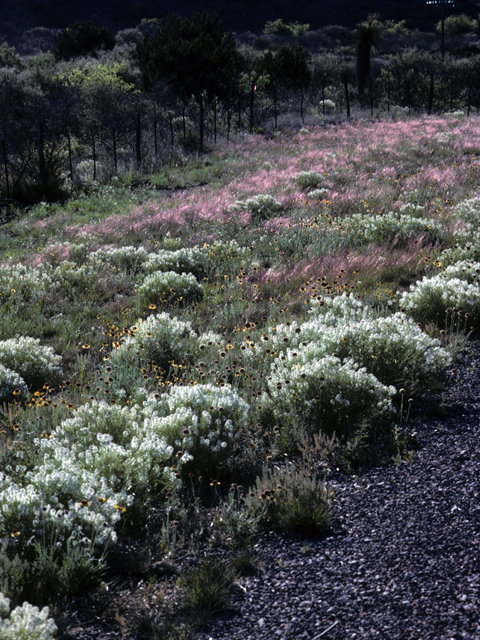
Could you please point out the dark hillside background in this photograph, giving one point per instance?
(16, 16)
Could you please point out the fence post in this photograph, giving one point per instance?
(239, 110)
(275, 103)
(347, 97)
(323, 96)
(430, 96)
(184, 125)
(170, 119)
(41, 156)
(388, 96)
(94, 159)
(215, 119)
(155, 131)
(252, 94)
(4, 146)
(70, 153)
(469, 96)
(201, 124)
(137, 140)
(451, 96)
(228, 118)
(114, 140)
(370, 86)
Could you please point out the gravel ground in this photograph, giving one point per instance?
(403, 561)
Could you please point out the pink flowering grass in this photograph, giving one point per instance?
(368, 167)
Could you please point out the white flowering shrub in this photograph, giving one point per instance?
(73, 251)
(161, 338)
(118, 445)
(12, 386)
(203, 421)
(25, 622)
(129, 259)
(394, 349)
(192, 260)
(317, 194)
(429, 299)
(59, 499)
(262, 206)
(70, 278)
(308, 180)
(23, 283)
(412, 209)
(463, 270)
(329, 105)
(325, 393)
(169, 286)
(35, 363)
(226, 257)
(469, 211)
(366, 229)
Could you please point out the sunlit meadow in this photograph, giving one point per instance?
(159, 346)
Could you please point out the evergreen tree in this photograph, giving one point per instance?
(192, 55)
(81, 38)
(367, 35)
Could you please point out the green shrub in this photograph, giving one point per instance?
(428, 300)
(327, 394)
(160, 338)
(458, 25)
(169, 287)
(181, 261)
(262, 207)
(129, 259)
(308, 180)
(12, 386)
(25, 623)
(35, 363)
(203, 421)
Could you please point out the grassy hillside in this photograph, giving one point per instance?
(161, 350)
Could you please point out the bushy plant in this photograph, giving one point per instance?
(463, 270)
(181, 261)
(429, 299)
(293, 499)
(203, 421)
(129, 259)
(308, 180)
(168, 286)
(24, 284)
(328, 394)
(160, 338)
(25, 622)
(12, 386)
(206, 588)
(35, 363)
(457, 25)
(115, 443)
(393, 348)
(262, 207)
(367, 229)
(226, 257)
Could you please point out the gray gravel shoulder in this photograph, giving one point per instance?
(402, 562)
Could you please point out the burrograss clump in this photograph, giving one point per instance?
(293, 499)
(206, 588)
